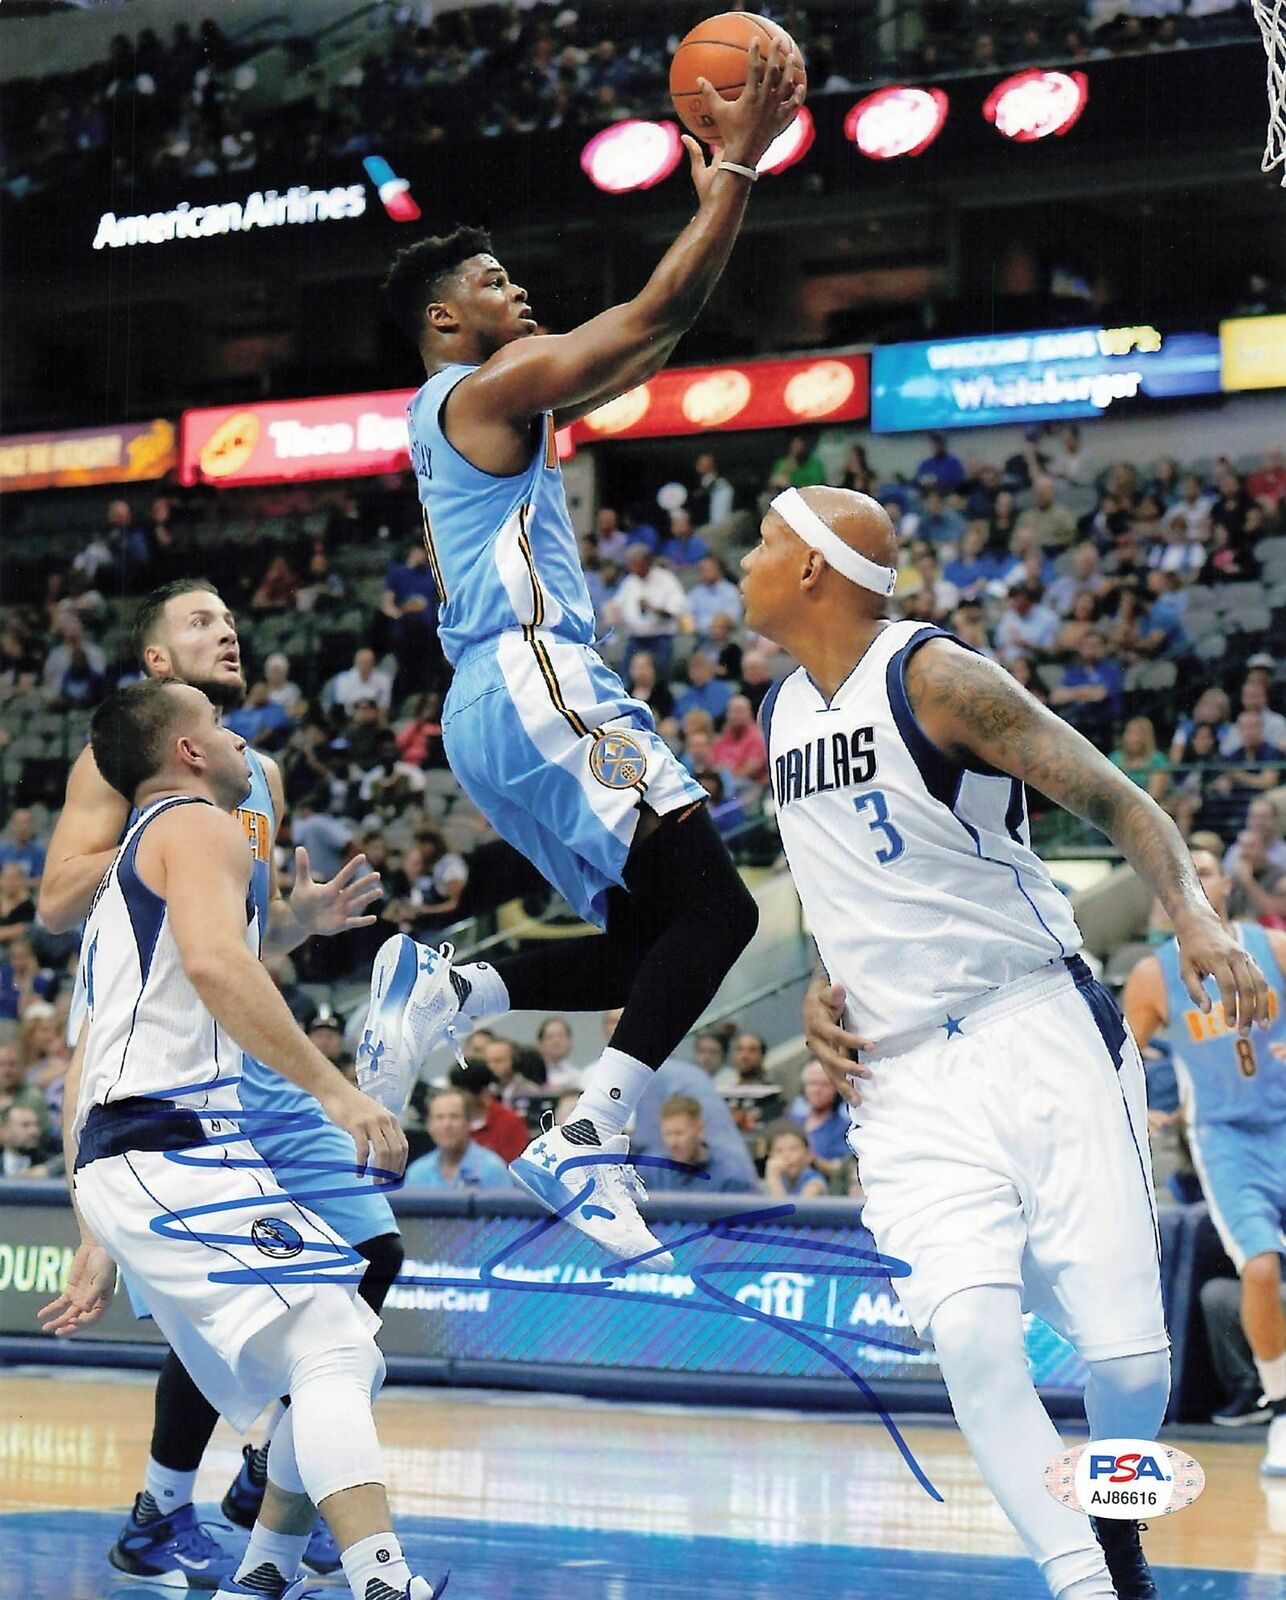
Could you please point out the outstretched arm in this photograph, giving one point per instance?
(970, 707)
(82, 847)
(572, 373)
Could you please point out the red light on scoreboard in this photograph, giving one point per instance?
(791, 144)
(898, 121)
(1036, 103)
(631, 155)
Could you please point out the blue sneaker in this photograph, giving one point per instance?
(321, 1554)
(245, 1492)
(174, 1551)
(412, 1009)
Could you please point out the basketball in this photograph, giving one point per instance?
(717, 50)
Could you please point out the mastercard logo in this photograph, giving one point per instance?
(622, 413)
(820, 389)
(713, 401)
(230, 446)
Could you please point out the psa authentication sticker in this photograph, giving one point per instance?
(1125, 1478)
(617, 760)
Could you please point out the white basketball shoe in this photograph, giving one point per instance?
(412, 1009)
(1274, 1462)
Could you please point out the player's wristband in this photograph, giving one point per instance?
(735, 166)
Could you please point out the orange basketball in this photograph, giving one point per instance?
(717, 49)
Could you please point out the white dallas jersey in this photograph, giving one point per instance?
(916, 874)
(149, 1031)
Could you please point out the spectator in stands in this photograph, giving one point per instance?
(698, 750)
(1174, 550)
(710, 498)
(940, 467)
(1084, 576)
(740, 748)
(1161, 630)
(326, 1031)
(722, 645)
(710, 1051)
(726, 810)
(646, 686)
(1084, 616)
(1003, 523)
(519, 1070)
(1089, 695)
(17, 908)
(455, 1162)
(391, 784)
(74, 653)
(1258, 892)
(410, 601)
(938, 523)
(611, 540)
(789, 1173)
(1027, 627)
(823, 1117)
(942, 596)
(277, 588)
(1213, 709)
(14, 1089)
(45, 1053)
(361, 738)
(281, 690)
(554, 1042)
(419, 738)
(705, 692)
(1198, 802)
(1052, 523)
(650, 605)
(492, 1125)
(1140, 760)
(24, 1150)
(325, 837)
(21, 845)
(425, 892)
(1193, 508)
(799, 468)
(683, 548)
(1021, 670)
(1069, 463)
(362, 681)
(1227, 561)
(1253, 696)
(756, 677)
(969, 624)
(713, 595)
(748, 1063)
(1232, 503)
(697, 1167)
(1258, 763)
(306, 765)
(322, 589)
(1263, 819)
(81, 684)
(971, 569)
(23, 980)
(1268, 484)
(260, 720)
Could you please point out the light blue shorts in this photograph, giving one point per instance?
(1243, 1174)
(547, 743)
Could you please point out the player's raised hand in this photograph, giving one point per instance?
(703, 171)
(376, 1133)
(831, 1044)
(1207, 949)
(91, 1282)
(339, 903)
(765, 107)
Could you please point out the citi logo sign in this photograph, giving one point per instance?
(1125, 1478)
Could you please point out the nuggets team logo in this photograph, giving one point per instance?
(617, 761)
(276, 1239)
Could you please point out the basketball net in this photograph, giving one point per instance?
(1271, 17)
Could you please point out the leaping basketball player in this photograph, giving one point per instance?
(998, 1108)
(542, 736)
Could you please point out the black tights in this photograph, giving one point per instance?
(673, 933)
(185, 1419)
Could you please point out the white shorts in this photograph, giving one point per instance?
(1015, 1152)
(180, 1222)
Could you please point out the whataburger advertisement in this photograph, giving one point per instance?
(746, 394)
(132, 452)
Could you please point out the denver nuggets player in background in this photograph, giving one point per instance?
(1000, 1126)
(1233, 1092)
(184, 630)
(164, 1176)
(542, 736)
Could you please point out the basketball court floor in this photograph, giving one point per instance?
(548, 1498)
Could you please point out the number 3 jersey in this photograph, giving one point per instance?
(916, 873)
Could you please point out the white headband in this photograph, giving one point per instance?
(792, 508)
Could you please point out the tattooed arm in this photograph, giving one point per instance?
(970, 707)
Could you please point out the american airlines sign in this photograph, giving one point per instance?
(265, 208)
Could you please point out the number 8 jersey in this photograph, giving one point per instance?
(916, 873)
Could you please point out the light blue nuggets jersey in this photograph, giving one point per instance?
(1223, 1078)
(502, 551)
(916, 873)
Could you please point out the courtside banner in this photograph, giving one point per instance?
(1035, 377)
(292, 441)
(132, 452)
(742, 394)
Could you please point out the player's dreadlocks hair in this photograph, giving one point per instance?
(415, 279)
(128, 732)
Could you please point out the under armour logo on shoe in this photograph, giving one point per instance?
(375, 1051)
(547, 1158)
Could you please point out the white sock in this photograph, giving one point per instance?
(169, 1489)
(613, 1087)
(281, 1553)
(376, 1569)
(487, 993)
(1272, 1377)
